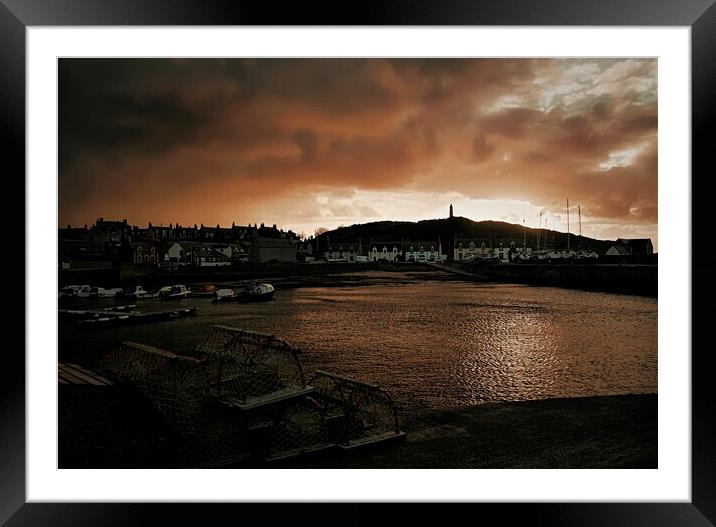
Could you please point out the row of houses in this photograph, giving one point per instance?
(110, 243)
(202, 254)
(466, 250)
(114, 243)
(259, 250)
(114, 231)
(76, 254)
(407, 251)
(463, 250)
(386, 252)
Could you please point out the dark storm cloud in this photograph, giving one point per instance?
(140, 135)
(105, 111)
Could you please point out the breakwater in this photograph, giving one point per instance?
(614, 278)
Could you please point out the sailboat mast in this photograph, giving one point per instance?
(539, 229)
(567, 223)
(524, 234)
(545, 236)
(579, 211)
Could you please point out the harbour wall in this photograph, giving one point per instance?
(637, 279)
(640, 279)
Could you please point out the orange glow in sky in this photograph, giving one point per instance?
(306, 143)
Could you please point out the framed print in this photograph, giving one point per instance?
(411, 311)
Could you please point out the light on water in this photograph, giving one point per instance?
(434, 344)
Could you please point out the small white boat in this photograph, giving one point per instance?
(252, 292)
(174, 292)
(224, 295)
(101, 292)
(257, 292)
(75, 290)
(69, 290)
(587, 255)
(164, 291)
(136, 291)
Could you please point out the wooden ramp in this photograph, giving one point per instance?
(74, 374)
(253, 403)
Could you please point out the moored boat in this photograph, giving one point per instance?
(224, 295)
(257, 292)
(174, 292)
(75, 290)
(251, 292)
(136, 291)
(101, 292)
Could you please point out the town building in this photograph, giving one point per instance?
(466, 250)
(344, 252)
(205, 255)
(109, 231)
(388, 252)
(144, 253)
(179, 253)
(631, 246)
(81, 254)
(201, 254)
(263, 250)
(424, 252)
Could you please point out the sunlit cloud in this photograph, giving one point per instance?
(305, 143)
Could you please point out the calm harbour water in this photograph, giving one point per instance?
(430, 344)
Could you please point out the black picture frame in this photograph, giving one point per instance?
(16, 15)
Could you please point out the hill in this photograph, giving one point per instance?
(491, 233)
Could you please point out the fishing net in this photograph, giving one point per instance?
(246, 366)
(288, 429)
(101, 424)
(246, 393)
(178, 387)
(356, 412)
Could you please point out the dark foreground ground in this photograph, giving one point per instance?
(588, 432)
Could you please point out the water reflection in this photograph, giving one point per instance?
(435, 344)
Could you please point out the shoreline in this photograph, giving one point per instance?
(638, 280)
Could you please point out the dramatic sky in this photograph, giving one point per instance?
(307, 143)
